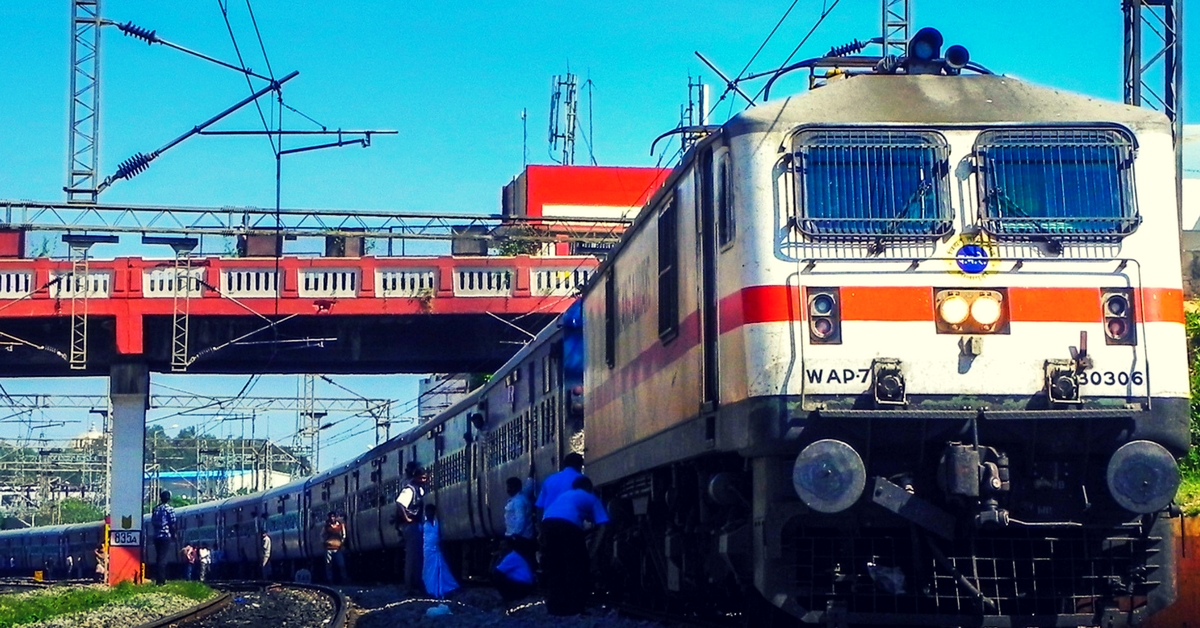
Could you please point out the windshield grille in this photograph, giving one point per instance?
(872, 184)
(1057, 183)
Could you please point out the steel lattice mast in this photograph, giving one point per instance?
(83, 145)
(1154, 52)
(897, 16)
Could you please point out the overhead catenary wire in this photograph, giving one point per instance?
(826, 9)
(241, 62)
(761, 46)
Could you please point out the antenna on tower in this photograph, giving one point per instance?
(564, 91)
(695, 114)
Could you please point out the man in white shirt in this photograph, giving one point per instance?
(518, 520)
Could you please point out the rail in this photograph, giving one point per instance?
(204, 609)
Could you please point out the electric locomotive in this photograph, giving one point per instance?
(906, 348)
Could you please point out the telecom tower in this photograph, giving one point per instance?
(695, 114)
(564, 92)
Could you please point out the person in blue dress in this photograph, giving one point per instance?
(436, 575)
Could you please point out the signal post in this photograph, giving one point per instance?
(129, 388)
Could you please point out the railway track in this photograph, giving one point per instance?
(262, 603)
(21, 585)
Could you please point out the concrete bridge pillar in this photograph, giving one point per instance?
(129, 388)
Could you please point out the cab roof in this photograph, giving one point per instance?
(965, 100)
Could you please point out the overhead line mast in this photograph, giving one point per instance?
(83, 147)
(85, 102)
(1154, 47)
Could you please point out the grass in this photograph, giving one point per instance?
(1188, 495)
(31, 607)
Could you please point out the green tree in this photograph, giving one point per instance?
(70, 510)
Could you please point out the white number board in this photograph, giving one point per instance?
(125, 538)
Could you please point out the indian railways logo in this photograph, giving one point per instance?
(974, 255)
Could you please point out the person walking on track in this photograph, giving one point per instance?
(266, 556)
(162, 523)
(335, 539)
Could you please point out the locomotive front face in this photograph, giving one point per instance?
(978, 382)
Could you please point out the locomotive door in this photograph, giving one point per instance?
(707, 223)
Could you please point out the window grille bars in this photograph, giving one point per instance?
(872, 184)
(1061, 184)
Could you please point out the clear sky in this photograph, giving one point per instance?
(453, 79)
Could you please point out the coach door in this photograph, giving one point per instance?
(708, 280)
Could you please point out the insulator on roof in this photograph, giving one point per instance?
(846, 49)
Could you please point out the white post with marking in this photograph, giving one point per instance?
(129, 387)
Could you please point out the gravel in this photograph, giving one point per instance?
(473, 607)
(136, 610)
(284, 608)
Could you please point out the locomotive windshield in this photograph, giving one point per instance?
(1061, 183)
(872, 183)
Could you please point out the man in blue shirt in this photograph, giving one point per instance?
(565, 554)
(162, 524)
(559, 483)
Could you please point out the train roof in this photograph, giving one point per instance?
(941, 101)
(903, 99)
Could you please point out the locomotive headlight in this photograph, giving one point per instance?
(1143, 477)
(954, 310)
(959, 311)
(986, 310)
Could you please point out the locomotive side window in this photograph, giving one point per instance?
(723, 193)
(668, 271)
(863, 183)
(1067, 183)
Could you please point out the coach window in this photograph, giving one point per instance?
(872, 184)
(610, 319)
(724, 197)
(1046, 183)
(668, 271)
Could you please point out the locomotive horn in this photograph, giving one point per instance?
(829, 476)
(926, 45)
(957, 58)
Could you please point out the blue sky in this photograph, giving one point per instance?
(452, 78)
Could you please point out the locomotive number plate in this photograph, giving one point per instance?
(125, 538)
(1111, 378)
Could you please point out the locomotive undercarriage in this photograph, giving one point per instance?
(1031, 538)
(972, 518)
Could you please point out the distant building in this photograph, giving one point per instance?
(577, 193)
(208, 484)
(439, 392)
